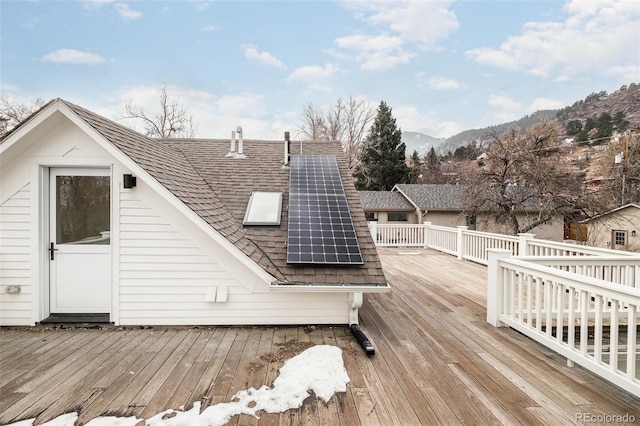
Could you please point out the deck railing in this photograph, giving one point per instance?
(592, 322)
(473, 245)
(583, 302)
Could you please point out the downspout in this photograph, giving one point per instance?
(355, 300)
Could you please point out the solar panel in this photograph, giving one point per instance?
(320, 227)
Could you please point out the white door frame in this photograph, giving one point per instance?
(50, 203)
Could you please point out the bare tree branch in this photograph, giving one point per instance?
(171, 121)
(13, 112)
(346, 122)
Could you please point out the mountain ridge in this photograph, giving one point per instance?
(626, 99)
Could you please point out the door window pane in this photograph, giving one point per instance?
(83, 210)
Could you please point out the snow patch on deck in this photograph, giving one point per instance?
(319, 369)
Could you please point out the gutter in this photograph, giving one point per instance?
(324, 288)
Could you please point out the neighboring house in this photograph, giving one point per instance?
(387, 206)
(444, 205)
(97, 218)
(617, 229)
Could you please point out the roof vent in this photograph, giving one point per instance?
(232, 150)
(287, 149)
(240, 153)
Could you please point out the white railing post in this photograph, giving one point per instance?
(523, 243)
(495, 286)
(460, 241)
(373, 227)
(427, 229)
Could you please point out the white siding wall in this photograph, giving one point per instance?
(15, 258)
(165, 277)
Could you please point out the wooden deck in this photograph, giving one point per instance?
(437, 362)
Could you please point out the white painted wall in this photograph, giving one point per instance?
(15, 258)
(628, 219)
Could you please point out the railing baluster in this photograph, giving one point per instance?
(584, 322)
(571, 321)
(613, 336)
(560, 312)
(597, 332)
(632, 325)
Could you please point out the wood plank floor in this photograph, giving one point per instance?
(437, 362)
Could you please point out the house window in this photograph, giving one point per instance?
(398, 217)
(264, 208)
(620, 238)
(371, 216)
(471, 222)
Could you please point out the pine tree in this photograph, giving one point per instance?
(382, 162)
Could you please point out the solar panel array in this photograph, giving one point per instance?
(320, 227)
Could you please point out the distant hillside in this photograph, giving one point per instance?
(420, 142)
(477, 135)
(626, 100)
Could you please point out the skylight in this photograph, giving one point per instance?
(264, 208)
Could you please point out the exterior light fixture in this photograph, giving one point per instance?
(128, 181)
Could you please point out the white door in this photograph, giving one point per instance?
(80, 240)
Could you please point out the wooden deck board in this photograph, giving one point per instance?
(437, 362)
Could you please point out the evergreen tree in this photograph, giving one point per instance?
(432, 161)
(620, 122)
(382, 162)
(574, 127)
(416, 166)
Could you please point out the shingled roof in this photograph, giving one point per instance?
(434, 197)
(217, 189)
(384, 200)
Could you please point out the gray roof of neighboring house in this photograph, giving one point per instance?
(434, 196)
(617, 209)
(217, 189)
(384, 201)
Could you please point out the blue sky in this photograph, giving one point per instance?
(442, 66)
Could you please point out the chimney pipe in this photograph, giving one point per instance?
(232, 150)
(240, 142)
(287, 148)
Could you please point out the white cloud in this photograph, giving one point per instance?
(411, 24)
(253, 54)
(315, 76)
(595, 36)
(202, 4)
(425, 22)
(121, 8)
(5, 87)
(73, 56)
(504, 102)
(126, 12)
(409, 118)
(215, 115)
(625, 74)
(440, 83)
(95, 4)
(210, 28)
(546, 103)
(376, 52)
